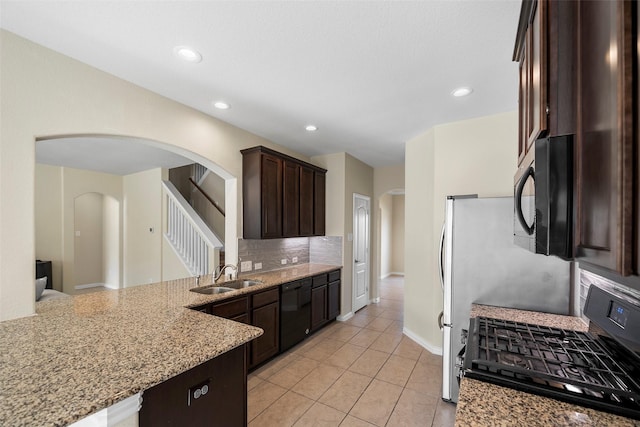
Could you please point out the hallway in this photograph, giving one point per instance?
(362, 372)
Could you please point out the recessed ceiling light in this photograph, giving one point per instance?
(187, 53)
(461, 91)
(311, 128)
(221, 105)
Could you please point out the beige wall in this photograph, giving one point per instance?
(397, 234)
(346, 175)
(358, 180)
(213, 186)
(385, 179)
(471, 156)
(385, 221)
(88, 245)
(46, 94)
(48, 219)
(142, 194)
(112, 261)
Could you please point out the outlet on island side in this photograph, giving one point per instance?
(294, 259)
(257, 266)
(283, 261)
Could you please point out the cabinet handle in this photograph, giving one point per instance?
(529, 173)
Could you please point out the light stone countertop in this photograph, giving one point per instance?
(82, 354)
(484, 404)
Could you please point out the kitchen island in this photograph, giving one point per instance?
(79, 355)
(484, 404)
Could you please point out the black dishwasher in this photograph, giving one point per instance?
(295, 312)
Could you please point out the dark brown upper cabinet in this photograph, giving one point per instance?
(307, 177)
(545, 50)
(291, 199)
(607, 140)
(282, 196)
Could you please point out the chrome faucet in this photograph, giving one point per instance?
(219, 273)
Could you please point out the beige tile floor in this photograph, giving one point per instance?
(362, 372)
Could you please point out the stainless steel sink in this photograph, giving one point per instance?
(241, 283)
(210, 290)
(226, 286)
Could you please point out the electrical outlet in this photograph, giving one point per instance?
(198, 391)
(77, 233)
(294, 259)
(245, 266)
(257, 266)
(283, 261)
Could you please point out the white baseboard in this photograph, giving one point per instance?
(431, 348)
(89, 285)
(346, 317)
(393, 273)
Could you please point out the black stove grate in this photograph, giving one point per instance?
(568, 365)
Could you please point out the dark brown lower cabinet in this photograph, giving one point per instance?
(333, 300)
(265, 315)
(211, 394)
(318, 307)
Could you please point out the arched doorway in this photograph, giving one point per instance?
(96, 243)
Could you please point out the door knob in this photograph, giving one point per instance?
(356, 261)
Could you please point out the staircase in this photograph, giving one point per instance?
(191, 239)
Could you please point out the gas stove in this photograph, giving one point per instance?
(598, 369)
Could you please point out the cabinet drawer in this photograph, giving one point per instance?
(233, 308)
(334, 275)
(319, 280)
(264, 298)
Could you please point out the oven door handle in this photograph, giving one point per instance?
(518, 200)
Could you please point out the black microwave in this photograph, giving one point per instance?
(543, 199)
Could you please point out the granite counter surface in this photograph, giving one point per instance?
(485, 404)
(82, 354)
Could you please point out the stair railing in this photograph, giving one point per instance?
(189, 236)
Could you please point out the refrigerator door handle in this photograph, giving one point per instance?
(441, 264)
(440, 324)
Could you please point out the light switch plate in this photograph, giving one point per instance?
(283, 261)
(257, 266)
(245, 266)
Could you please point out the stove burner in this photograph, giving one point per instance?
(573, 372)
(507, 334)
(512, 360)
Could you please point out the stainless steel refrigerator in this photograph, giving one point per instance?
(480, 264)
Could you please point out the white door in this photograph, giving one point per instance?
(360, 251)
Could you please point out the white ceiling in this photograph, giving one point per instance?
(370, 74)
(116, 156)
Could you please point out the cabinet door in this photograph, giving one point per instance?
(271, 196)
(291, 199)
(605, 135)
(318, 307)
(231, 309)
(319, 203)
(268, 319)
(333, 299)
(306, 201)
(537, 80)
(224, 404)
(523, 110)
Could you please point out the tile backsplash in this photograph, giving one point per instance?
(270, 253)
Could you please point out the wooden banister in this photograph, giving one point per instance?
(206, 196)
